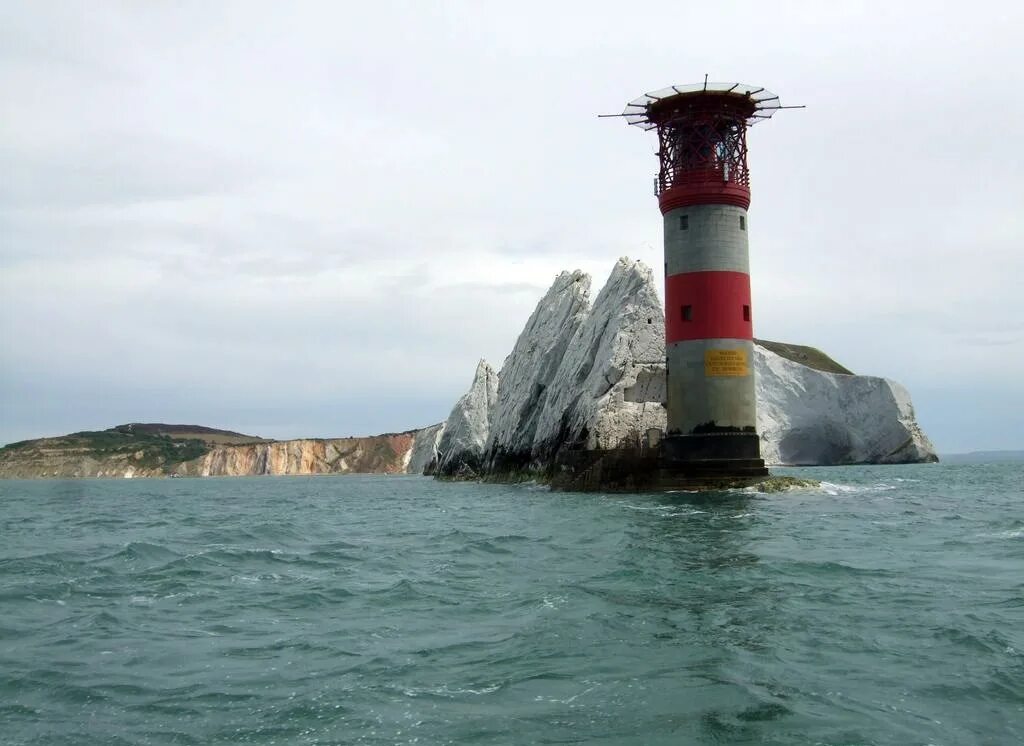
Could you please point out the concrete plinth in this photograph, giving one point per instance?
(659, 469)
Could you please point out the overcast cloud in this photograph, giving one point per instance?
(311, 219)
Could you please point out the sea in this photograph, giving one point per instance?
(885, 607)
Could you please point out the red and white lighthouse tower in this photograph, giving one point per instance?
(703, 189)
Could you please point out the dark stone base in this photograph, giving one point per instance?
(691, 463)
(723, 446)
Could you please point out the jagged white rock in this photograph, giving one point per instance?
(807, 416)
(602, 386)
(465, 432)
(424, 449)
(528, 372)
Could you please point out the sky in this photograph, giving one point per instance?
(311, 219)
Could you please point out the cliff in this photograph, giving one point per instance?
(381, 454)
(593, 376)
(529, 373)
(132, 450)
(467, 428)
(158, 450)
(424, 449)
(807, 416)
(607, 387)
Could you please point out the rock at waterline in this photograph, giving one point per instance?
(593, 376)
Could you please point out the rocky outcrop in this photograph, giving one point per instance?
(530, 371)
(806, 416)
(594, 377)
(461, 446)
(606, 390)
(424, 449)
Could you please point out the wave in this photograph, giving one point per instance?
(615, 618)
(141, 551)
(832, 488)
(493, 545)
(1013, 533)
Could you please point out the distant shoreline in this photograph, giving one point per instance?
(981, 457)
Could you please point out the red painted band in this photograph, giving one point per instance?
(707, 305)
(705, 193)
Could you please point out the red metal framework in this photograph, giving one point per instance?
(703, 155)
(702, 138)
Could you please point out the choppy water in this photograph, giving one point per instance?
(886, 608)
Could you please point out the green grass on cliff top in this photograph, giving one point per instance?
(146, 450)
(812, 357)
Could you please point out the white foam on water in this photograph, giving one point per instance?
(445, 691)
(568, 700)
(552, 602)
(254, 579)
(1013, 533)
(668, 511)
(832, 488)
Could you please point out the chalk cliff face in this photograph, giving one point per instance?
(424, 449)
(116, 454)
(397, 453)
(806, 416)
(595, 377)
(529, 373)
(602, 392)
(379, 454)
(467, 428)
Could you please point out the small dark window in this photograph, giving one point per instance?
(746, 313)
(743, 222)
(684, 222)
(687, 313)
(650, 321)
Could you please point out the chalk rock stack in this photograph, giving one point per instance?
(424, 451)
(529, 378)
(609, 384)
(461, 444)
(593, 376)
(806, 416)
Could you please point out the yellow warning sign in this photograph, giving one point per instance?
(726, 363)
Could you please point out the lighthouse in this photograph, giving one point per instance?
(703, 190)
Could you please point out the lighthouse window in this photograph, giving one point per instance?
(684, 222)
(743, 223)
(687, 313)
(746, 313)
